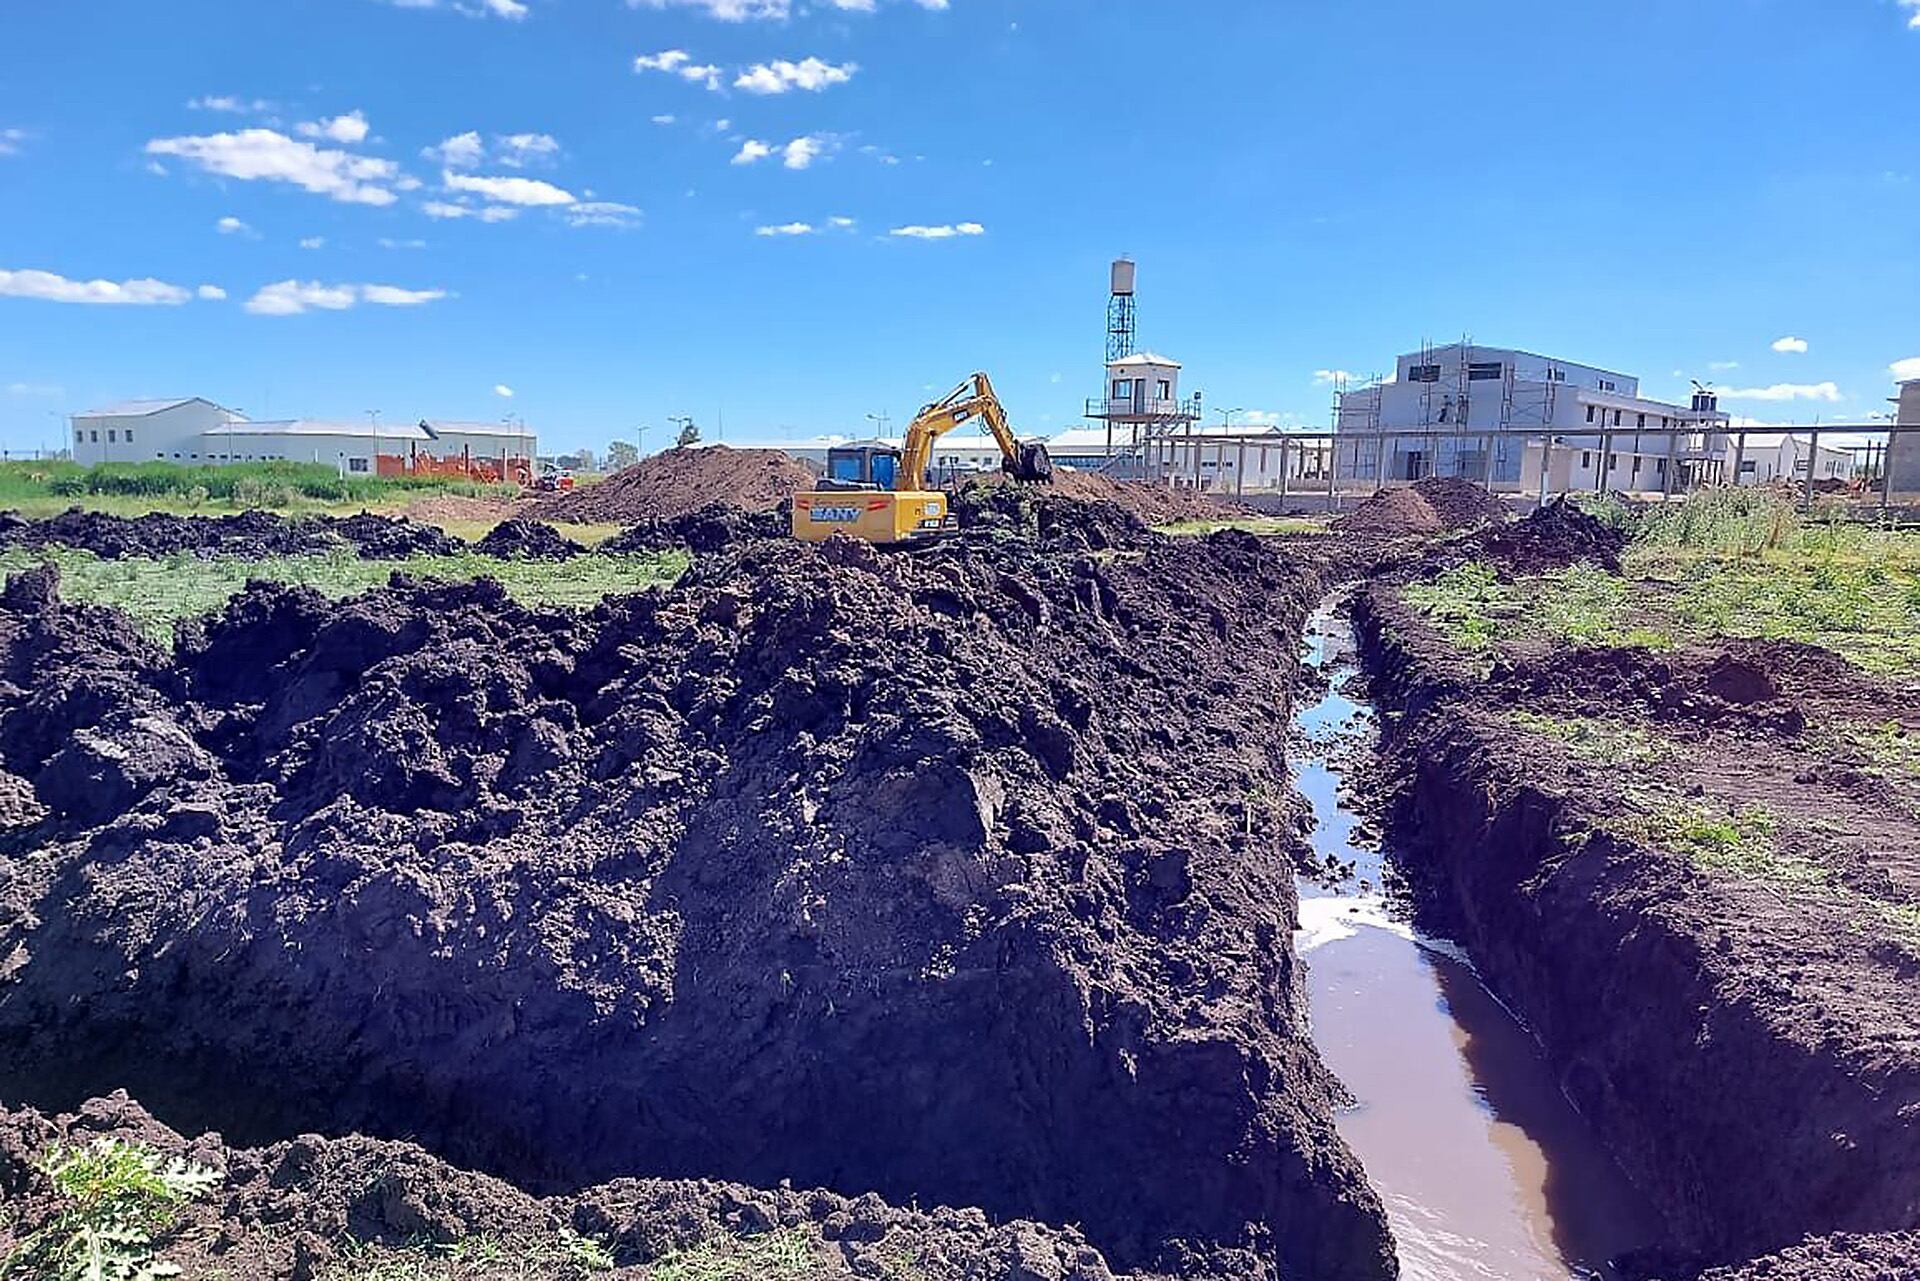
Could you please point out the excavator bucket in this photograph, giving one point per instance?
(1035, 464)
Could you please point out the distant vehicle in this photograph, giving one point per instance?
(554, 481)
(882, 494)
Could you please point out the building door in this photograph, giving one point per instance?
(1413, 464)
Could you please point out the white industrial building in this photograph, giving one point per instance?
(1904, 448)
(1593, 428)
(196, 431)
(1769, 458)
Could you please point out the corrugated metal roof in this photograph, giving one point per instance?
(479, 429)
(320, 427)
(141, 408)
(1143, 358)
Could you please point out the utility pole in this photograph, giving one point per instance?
(883, 424)
(373, 416)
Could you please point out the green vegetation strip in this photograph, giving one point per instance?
(117, 1201)
(777, 1256)
(567, 1256)
(1268, 525)
(1599, 742)
(41, 487)
(158, 593)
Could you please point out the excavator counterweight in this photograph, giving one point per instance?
(884, 496)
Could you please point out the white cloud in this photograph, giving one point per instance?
(1795, 346)
(48, 287)
(211, 293)
(664, 120)
(503, 391)
(313, 242)
(1905, 370)
(10, 140)
(519, 150)
(263, 154)
(443, 209)
(798, 154)
(388, 242)
(1913, 22)
(1784, 391)
(513, 10)
(295, 298)
(231, 226)
(839, 223)
(509, 191)
(50, 390)
(462, 151)
(945, 231)
(229, 103)
(350, 128)
(766, 10)
(787, 229)
(678, 62)
(601, 213)
(781, 76)
(1720, 366)
(1328, 377)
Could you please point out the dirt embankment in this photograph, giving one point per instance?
(1153, 504)
(289, 1210)
(1392, 513)
(960, 878)
(250, 535)
(679, 482)
(1742, 1038)
(1460, 503)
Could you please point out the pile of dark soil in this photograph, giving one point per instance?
(254, 535)
(250, 535)
(520, 539)
(944, 877)
(713, 528)
(1460, 503)
(1392, 513)
(292, 1210)
(1152, 504)
(1891, 1256)
(1554, 537)
(1037, 512)
(680, 482)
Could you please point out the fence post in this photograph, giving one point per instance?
(1886, 469)
(1813, 458)
(1283, 472)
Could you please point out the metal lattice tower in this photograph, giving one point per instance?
(1120, 312)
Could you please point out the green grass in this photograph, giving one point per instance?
(1741, 842)
(1267, 525)
(566, 1256)
(1890, 746)
(118, 1201)
(787, 1255)
(1597, 741)
(36, 486)
(158, 593)
(1467, 603)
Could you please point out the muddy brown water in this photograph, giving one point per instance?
(1485, 1168)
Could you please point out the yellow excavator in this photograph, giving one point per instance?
(882, 494)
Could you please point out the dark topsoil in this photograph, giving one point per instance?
(288, 1210)
(251, 535)
(678, 482)
(957, 877)
(1746, 1044)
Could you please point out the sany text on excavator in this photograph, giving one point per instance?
(881, 494)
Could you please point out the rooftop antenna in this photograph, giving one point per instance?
(1120, 311)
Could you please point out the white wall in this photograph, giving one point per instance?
(144, 438)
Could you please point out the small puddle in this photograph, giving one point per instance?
(1485, 1169)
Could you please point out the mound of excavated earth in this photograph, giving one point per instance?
(519, 539)
(961, 878)
(712, 528)
(291, 1210)
(680, 481)
(1460, 503)
(1153, 504)
(1392, 513)
(1554, 537)
(249, 535)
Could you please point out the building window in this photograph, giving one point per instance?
(1643, 420)
(1556, 375)
(1746, 468)
(1488, 372)
(1586, 460)
(1590, 412)
(1166, 389)
(110, 436)
(1121, 390)
(1616, 418)
(1607, 386)
(356, 464)
(1423, 373)
(96, 436)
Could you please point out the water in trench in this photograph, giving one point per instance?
(1485, 1168)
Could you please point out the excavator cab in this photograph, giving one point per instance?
(875, 492)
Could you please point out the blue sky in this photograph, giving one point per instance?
(320, 207)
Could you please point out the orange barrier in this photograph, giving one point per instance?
(490, 470)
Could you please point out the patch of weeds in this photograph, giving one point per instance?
(786, 1255)
(118, 1200)
(1467, 602)
(1902, 918)
(1597, 741)
(1280, 526)
(1890, 746)
(1741, 843)
(567, 1256)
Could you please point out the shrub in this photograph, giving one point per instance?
(118, 1199)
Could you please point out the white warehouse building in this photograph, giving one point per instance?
(1592, 427)
(195, 431)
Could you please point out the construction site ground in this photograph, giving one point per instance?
(701, 905)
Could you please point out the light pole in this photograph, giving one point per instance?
(373, 416)
(1226, 416)
(684, 424)
(882, 423)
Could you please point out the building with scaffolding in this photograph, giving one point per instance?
(1520, 422)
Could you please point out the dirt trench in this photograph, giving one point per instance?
(1758, 1079)
(960, 878)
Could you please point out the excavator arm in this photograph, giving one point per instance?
(974, 398)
